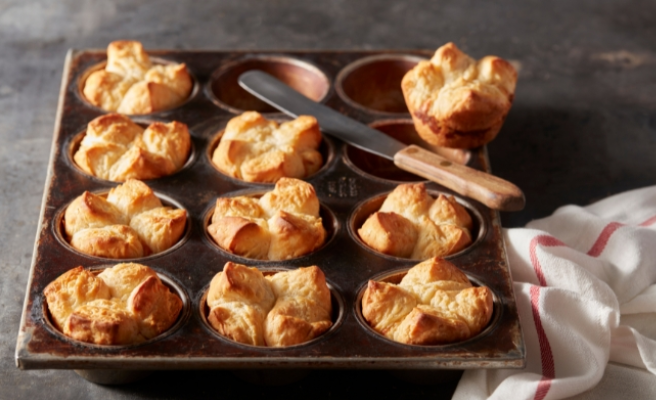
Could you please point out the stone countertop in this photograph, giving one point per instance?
(583, 125)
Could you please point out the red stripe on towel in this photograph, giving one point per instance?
(649, 221)
(548, 366)
(546, 355)
(599, 246)
(543, 240)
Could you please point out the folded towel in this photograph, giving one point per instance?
(585, 283)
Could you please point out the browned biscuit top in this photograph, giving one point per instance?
(456, 101)
(124, 304)
(433, 304)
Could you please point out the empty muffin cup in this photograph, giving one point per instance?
(64, 240)
(73, 145)
(395, 277)
(337, 318)
(305, 78)
(328, 221)
(374, 83)
(112, 378)
(403, 130)
(155, 61)
(364, 209)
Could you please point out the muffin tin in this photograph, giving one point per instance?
(348, 186)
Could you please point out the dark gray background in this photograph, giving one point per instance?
(583, 125)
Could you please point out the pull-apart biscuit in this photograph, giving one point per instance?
(129, 223)
(130, 84)
(239, 299)
(282, 309)
(282, 224)
(117, 149)
(302, 310)
(255, 149)
(434, 304)
(124, 304)
(456, 101)
(411, 224)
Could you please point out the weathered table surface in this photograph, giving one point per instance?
(583, 126)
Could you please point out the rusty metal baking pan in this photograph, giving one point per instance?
(361, 84)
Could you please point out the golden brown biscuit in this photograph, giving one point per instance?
(434, 304)
(293, 196)
(147, 97)
(239, 299)
(159, 228)
(389, 233)
(255, 149)
(411, 224)
(242, 206)
(131, 222)
(129, 83)
(117, 149)
(106, 139)
(302, 310)
(170, 141)
(282, 309)
(154, 307)
(282, 224)
(125, 304)
(127, 57)
(247, 237)
(74, 287)
(102, 322)
(293, 235)
(112, 241)
(139, 163)
(133, 197)
(121, 279)
(106, 90)
(91, 211)
(434, 240)
(174, 76)
(456, 101)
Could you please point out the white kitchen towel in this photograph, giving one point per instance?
(585, 284)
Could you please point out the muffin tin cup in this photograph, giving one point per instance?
(60, 233)
(73, 145)
(328, 220)
(395, 277)
(326, 148)
(195, 88)
(122, 376)
(342, 188)
(304, 77)
(367, 207)
(337, 303)
(171, 283)
(373, 84)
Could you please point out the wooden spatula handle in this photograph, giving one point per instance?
(492, 191)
